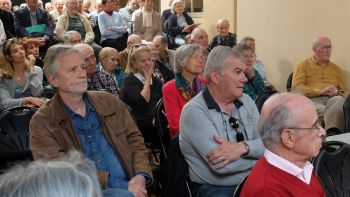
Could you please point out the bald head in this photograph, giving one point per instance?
(132, 40)
(200, 36)
(319, 40)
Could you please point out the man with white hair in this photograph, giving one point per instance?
(322, 81)
(55, 13)
(292, 134)
(218, 127)
(200, 36)
(127, 11)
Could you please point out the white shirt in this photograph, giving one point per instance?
(303, 174)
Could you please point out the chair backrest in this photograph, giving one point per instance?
(177, 174)
(346, 109)
(261, 98)
(289, 82)
(239, 188)
(14, 133)
(162, 127)
(332, 167)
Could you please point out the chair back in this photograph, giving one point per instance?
(332, 167)
(261, 98)
(289, 82)
(346, 109)
(162, 126)
(239, 188)
(14, 134)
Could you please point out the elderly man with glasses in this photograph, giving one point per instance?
(321, 80)
(218, 127)
(292, 134)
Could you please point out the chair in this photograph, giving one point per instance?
(346, 109)
(162, 127)
(332, 167)
(239, 188)
(261, 98)
(177, 175)
(289, 83)
(14, 134)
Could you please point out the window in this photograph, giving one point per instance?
(194, 5)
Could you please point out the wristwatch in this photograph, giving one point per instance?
(246, 148)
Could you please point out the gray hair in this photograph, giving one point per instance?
(247, 38)
(183, 53)
(242, 47)
(73, 176)
(172, 7)
(82, 46)
(218, 58)
(275, 116)
(51, 62)
(67, 37)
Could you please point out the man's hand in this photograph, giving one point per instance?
(225, 153)
(137, 186)
(330, 91)
(41, 40)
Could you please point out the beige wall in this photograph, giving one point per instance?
(284, 31)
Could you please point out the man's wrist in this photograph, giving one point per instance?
(247, 149)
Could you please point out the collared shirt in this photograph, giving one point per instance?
(303, 174)
(102, 81)
(96, 147)
(142, 78)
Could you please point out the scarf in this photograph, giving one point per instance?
(184, 88)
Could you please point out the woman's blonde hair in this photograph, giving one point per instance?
(107, 52)
(135, 51)
(7, 69)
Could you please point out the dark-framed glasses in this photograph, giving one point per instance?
(234, 124)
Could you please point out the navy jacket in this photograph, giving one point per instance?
(22, 20)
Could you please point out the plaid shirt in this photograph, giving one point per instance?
(102, 81)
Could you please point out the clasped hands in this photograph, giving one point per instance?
(331, 91)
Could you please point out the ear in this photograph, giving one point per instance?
(288, 138)
(8, 57)
(53, 81)
(214, 76)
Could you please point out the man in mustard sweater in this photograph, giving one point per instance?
(321, 80)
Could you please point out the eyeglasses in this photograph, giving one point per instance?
(316, 126)
(234, 124)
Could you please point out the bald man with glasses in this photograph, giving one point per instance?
(292, 134)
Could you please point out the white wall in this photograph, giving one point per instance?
(284, 31)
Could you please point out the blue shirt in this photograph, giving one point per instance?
(96, 147)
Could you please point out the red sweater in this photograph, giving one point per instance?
(173, 104)
(268, 180)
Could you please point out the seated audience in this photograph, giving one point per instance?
(96, 79)
(116, 6)
(141, 91)
(189, 64)
(200, 36)
(33, 22)
(179, 23)
(112, 26)
(292, 134)
(7, 19)
(258, 64)
(96, 11)
(327, 91)
(255, 84)
(73, 20)
(31, 47)
(67, 177)
(133, 39)
(95, 123)
(224, 38)
(166, 56)
(109, 63)
(141, 4)
(21, 81)
(55, 13)
(159, 70)
(86, 6)
(218, 128)
(72, 38)
(6, 5)
(147, 23)
(127, 11)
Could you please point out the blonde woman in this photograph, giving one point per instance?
(21, 81)
(141, 91)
